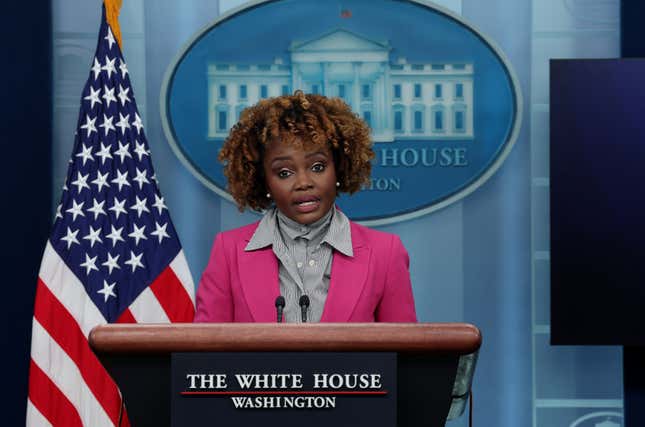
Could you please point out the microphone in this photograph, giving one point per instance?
(279, 305)
(304, 305)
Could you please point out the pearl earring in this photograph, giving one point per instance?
(268, 195)
(337, 184)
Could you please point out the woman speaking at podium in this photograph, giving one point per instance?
(304, 261)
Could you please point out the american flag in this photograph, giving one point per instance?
(113, 254)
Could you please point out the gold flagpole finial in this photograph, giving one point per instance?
(112, 9)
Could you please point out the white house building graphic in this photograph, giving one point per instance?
(398, 99)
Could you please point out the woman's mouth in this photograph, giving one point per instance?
(306, 205)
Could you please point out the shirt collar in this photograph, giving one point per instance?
(263, 235)
(338, 235)
(310, 232)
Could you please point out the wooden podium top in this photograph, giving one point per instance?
(453, 338)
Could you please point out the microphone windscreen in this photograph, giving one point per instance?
(279, 301)
(304, 301)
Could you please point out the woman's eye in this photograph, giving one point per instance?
(284, 173)
(318, 167)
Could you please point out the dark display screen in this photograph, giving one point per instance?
(597, 187)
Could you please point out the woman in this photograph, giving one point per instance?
(293, 155)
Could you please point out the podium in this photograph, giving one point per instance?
(435, 361)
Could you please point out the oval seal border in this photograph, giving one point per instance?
(424, 210)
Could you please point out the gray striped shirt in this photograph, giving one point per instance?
(305, 255)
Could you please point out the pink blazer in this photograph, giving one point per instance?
(373, 285)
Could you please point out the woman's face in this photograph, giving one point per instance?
(301, 180)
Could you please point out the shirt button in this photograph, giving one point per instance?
(311, 263)
(299, 265)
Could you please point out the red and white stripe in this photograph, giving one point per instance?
(67, 384)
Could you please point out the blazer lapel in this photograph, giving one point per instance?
(348, 276)
(258, 271)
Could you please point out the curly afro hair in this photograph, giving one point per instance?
(298, 119)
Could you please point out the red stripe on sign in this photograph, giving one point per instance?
(126, 317)
(64, 329)
(50, 401)
(173, 297)
(284, 392)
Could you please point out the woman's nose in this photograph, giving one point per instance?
(303, 181)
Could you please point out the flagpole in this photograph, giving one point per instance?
(112, 10)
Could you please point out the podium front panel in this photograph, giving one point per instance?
(290, 389)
